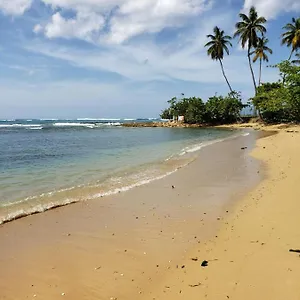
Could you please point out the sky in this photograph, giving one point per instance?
(122, 58)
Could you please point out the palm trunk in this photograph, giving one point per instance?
(252, 73)
(259, 81)
(225, 75)
(291, 55)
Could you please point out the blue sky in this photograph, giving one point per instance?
(122, 58)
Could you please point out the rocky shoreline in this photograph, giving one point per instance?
(170, 124)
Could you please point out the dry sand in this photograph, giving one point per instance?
(140, 244)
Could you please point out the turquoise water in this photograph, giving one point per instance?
(47, 163)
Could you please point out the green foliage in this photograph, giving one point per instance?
(195, 111)
(249, 27)
(280, 102)
(222, 110)
(291, 37)
(165, 114)
(218, 43)
(217, 110)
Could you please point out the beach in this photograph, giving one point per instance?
(236, 206)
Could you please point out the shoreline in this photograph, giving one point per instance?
(181, 159)
(141, 234)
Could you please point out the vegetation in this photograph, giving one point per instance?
(248, 31)
(219, 42)
(217, 110)
(274, 101)
(280, 102)
(260, 53)
(291, 37)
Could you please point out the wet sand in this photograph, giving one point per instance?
(125, 246)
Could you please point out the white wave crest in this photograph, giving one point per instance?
(74, 125)
(19, 125)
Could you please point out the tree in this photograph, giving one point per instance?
(217, 45)
(297, 60)
(260, 53)
(292, 35)
(278, 102)
(247, 30)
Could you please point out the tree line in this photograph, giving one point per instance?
(275, 102)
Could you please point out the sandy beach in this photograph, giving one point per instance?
(235, 206)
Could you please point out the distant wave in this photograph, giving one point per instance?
(58, 125)
(74, 125)
(88, 125)
(97, 119)
(19, 125)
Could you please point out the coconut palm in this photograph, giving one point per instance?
(217, 45)
(292, 35)
(260, 53)
(248, 30)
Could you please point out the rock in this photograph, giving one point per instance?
(244, 148)
(194, 259)
(173, 187)
(204, 263)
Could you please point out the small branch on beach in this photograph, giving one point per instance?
(194, 285)
(295, 250)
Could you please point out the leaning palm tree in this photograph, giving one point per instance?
(217, 45)
(260, 53)
(292, 35)
(247, 30)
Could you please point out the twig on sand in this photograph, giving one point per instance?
(194, 285)
(295, 250)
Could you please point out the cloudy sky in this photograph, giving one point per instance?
(121, 58)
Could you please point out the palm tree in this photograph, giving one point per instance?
(248, 30)
(260, 53)
(292, 35)
(217, 45)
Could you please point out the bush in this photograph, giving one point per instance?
(217, 110)
(280, 101)
(224, 110)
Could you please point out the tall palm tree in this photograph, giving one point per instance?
(247, 30)
(260, 53)
(217, 44)
(292, 35)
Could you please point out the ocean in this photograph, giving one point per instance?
(50, 163)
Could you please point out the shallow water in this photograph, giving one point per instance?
(65, 161)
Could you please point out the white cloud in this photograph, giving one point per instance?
(83, 26)
(127, 18)
(271, 8)
(15, 7)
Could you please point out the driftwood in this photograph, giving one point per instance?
(295, 250)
